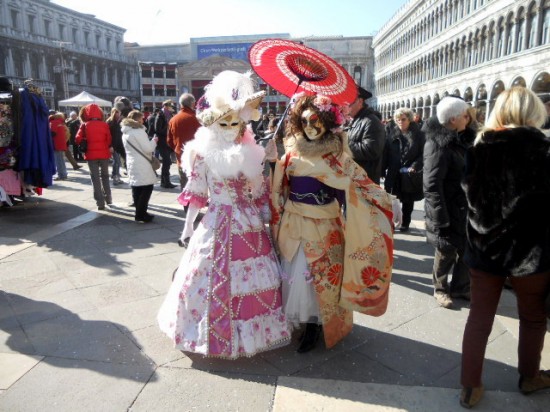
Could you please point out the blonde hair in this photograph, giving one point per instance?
(111, 117)
(135, 115)
(403, 111)
(516, 107)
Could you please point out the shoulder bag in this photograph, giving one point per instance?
(155, 163)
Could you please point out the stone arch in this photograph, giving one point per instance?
(456, 92)
(541, 83)
(481, 102)
(427, 107)
(518, 81)
(468, 95)
(436, 99)
(497, 88)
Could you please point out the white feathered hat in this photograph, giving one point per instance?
(228, 92)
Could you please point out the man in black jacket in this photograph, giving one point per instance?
(161, 131)
(366, 136)
(447, 139)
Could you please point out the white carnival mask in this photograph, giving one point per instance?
(229, 127)
(312, 125)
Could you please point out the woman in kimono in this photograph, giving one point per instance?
(225, 300)
(333, 261)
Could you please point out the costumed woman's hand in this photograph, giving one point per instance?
(271, 151)
(397, 213)
(189, 228)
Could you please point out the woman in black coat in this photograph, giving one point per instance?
(507, 185)
(403, 154)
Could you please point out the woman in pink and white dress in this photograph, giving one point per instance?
(225, 300)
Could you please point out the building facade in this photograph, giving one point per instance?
(198, 61)
(64, 52)
(472, 48)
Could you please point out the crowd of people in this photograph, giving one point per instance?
(285, 242)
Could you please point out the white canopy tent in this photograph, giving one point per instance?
(83, 99)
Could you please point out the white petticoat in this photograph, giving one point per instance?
(300, 303)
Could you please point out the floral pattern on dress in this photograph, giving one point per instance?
(198, 312)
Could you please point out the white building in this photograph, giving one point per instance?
(64, 51)
(204, 57)
(471, 48)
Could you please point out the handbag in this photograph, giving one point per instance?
(83, 145)
(155, 163)
(411, 184)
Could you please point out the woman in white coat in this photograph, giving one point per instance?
(141, 175)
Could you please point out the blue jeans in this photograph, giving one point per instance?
(116, 165)
(60, 164)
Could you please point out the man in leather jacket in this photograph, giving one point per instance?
(366, 136)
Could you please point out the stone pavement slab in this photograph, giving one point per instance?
(205, 391)
(319, 395)
(79, 294)
(14, 366)
(68, 385)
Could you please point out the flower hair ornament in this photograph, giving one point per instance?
(324, 104)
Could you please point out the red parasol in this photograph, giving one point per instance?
(290, 67)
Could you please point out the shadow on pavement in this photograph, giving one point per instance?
(46, 329)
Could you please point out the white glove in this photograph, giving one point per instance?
(188, 228)
(397, 213)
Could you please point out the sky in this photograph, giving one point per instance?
(176, 21)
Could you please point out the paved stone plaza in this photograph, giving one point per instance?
(79, 293)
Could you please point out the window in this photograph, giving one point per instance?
(87, 39)
(89, 74)
(14, 18)
(108, 43)
(35, 65)
(158, 73)
(159, 90)
(147, 90)
(18, 63)
(128, 80)
(171, 91)
(117, 46)
(170, 73)
(146, 72)
(98, 41)
(75, 35)
(47, 28)
(62, 32)
(32, 24)
(546, 27)
(521, 30)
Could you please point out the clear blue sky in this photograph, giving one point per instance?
(175, 21)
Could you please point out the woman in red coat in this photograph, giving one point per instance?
(98, 136)
(60, 135)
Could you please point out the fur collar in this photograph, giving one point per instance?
(314, 148)
(131, 124)
(227, 160)
(438, 133)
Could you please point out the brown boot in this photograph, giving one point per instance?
(530, 385)
(470, 397)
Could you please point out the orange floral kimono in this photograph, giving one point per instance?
(349, 257)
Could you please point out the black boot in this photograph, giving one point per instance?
(166, 183)
(310, 337)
